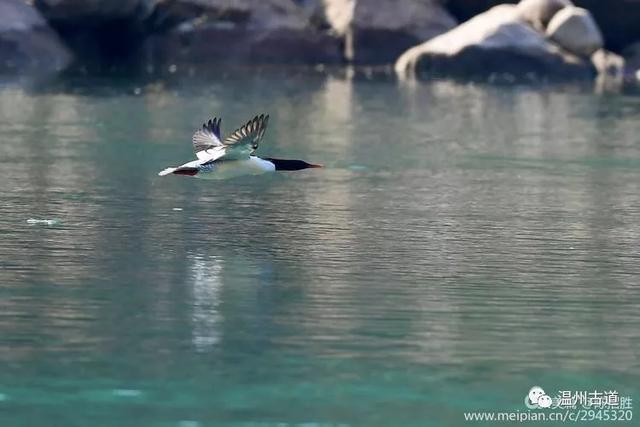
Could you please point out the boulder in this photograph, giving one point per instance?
(27, 43)
(574, 29)
(210, 33)
(315, 12)
(149, 16)
(493, 43)
(608, 63)
(339, 14)
(86, 12)
(212, 48)
(617, 19)
(538, 13)
(378, 31)
(251, 14)
(611, 71)
(101, 33)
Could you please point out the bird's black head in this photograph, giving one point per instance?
(291, 165)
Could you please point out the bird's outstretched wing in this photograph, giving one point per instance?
(245, 140)
(207, 140)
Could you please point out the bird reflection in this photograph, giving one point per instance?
(206, 285)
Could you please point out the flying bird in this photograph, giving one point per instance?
(234, 155)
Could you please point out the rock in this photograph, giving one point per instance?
(251, 14)
(617, 19)
(574, 29)
(101, 33)
(212, 48)
(378, 31)
(608, 63)
(314, 10)
(538, 13)
(217, 32)
(165, 15)
(339, 14)
(119, 34)
(27, 43)
(87, 12)
(493, 43)
(611, 71)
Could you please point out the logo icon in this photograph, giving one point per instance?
(537, 399)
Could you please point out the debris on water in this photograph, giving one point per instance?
(358, 167)
(176, 209)
(33, 221)
(74, 196)
(127, 392)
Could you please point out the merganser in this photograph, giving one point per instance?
(233, 156)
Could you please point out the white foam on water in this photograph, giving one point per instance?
(127, 392)
(33, 221)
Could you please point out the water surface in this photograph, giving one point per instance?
(463, 244)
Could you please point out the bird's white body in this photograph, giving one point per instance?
(225, 169)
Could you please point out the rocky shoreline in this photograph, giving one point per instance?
(531, 40)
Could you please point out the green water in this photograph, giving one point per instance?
(463, 244)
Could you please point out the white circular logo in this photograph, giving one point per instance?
(544, 401)
(537, 398)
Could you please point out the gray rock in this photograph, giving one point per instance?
(250, 14)
(617, 19)
(611, 71)
(214, 47)
(101, 33)
(314, 10)
(211, 33)
(84, 12)
(339, 14)
(608, 63)
(574, 29)
(538, 13)
(27, 43)
(378, 31)
(164, 14)
(493, 43)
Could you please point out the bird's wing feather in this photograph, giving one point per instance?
(208, 136)
(242, 142)
(211, 154)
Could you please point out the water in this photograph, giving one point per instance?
(463, 244)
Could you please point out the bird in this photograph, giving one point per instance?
(233, 156)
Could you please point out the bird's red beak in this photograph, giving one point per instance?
(311, 165)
